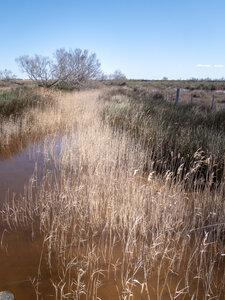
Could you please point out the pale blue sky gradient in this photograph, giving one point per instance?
(144, 39)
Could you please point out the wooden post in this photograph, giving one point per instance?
(192, 98)
(212, 104)
(178, 95)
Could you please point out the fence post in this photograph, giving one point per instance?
(178, 95)
(212, 104)
(192, 98)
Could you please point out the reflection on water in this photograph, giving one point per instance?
(16, 170)
(19, 265)
(19, 254)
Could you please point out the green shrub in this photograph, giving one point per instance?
(14, 102)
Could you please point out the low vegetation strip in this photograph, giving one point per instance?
(15, 101)
(194, 84)
(186, 140)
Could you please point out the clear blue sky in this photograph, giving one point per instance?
(144, 39)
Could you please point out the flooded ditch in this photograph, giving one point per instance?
(83, 224)
(24, 268)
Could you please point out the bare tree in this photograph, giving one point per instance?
(62, 65)
(117, 76)
(67, 68)
(7, 75)
(76, 67)
(38, 68)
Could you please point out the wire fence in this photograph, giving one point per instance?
(178, 98)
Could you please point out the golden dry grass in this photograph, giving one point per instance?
(108, 232)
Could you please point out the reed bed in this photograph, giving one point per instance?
(110, 230)
(35, 119)
(185, 140)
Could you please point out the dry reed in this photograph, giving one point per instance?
(108, 231)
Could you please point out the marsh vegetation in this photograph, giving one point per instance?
(131, 207)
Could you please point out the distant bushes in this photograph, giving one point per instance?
(186, 140)
(207, 85)
(198, 94)
(158, 96)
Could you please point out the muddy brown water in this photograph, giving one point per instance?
(15, 173)
(17, 169)
(20, 254)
